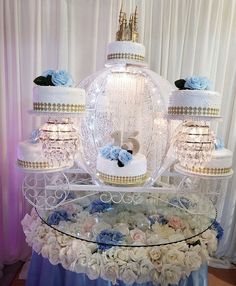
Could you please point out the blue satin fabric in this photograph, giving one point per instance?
(43, 273)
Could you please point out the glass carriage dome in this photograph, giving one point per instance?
(124, 133)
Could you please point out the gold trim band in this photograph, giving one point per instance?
(32, 165)
(119, 180)
(209, 171)
(127, 56)
(58, 107)
(186, 110)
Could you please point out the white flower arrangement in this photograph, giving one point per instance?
(158, 264)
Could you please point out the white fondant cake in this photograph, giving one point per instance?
(195, 103)
(58, 99)
(30, 156)
(134, 173)
(125, 50)
(220, 164)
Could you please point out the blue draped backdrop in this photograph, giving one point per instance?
(43, 273)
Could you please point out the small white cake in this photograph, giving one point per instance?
(220, 164)
(125, 50)
(58, 99)
(134, 173)
(195, 103)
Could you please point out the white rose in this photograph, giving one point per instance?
(174, 256)
(209, 238)
(94, 268)
(45, 251)
(155, 276)
(37, 245)
(170, 274)
(54, 250)
(64, 240)
(122, 256)
(137, 253)
(128, 273)
(65, 259)
(192, 261)
(109, 271)
(82, 253)
(155, 253)
(164, 231)
(122, 227)
(144, 273)
(182, 246)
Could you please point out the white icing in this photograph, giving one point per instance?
(136, 167)
(195, 98)
(59, 94)
(221, 158)
(126, 47)
(30, 152)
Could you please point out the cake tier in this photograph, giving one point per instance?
(125, 50)
(30, 156)
(134, 173)
(58, 99)
(220, 164)
(195, 103)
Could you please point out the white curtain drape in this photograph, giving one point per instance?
(182, 37)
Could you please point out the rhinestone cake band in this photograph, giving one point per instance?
(118, 180)
(209, 171)
(184, 110)
(58, 107)
(34, 165)
(126, 56)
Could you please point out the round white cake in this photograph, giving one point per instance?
(195, 103)
(134, 173)
(125, 50)
(219, 165)
(58, 99)
(30, 156)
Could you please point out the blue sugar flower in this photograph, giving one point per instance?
(197, 82)
(125, 157)
(57, 216)
(62, 78)
(98, 206)
(219, 144)
(48, 72)
(218, 228)
(35, 136)
(108, 238)
(157, 218)
(105, 151)
(114, 152)
(180, 202)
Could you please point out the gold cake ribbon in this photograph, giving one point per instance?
(209, 171)
(122, 180)
(32, 165)
(126, 56)
(188, 110)
(58, 107)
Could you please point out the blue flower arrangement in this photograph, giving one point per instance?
(57, 216)
(218, 228)
(219, 144)
(54, 78)
(98, 206)
(180, 202)
(108, 238)
(122, 156)
(193, 83)
(157, 218)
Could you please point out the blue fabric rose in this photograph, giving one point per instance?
(157, 218)
(108, 238)
(105, 151)
(180, 202)
(218, 228)
(57, 216)
(197, 82)
(62, 78)
(98, 206)
(114, 152)
(35, 136)
(125, 157)
(48, 72)
(219, 144)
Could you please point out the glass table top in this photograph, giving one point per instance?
(147, 219)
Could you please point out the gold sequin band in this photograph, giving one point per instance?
(32, 165)
(126, 56)
(58, 107)
(119, 180)
(209, 171)
(184, 110)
